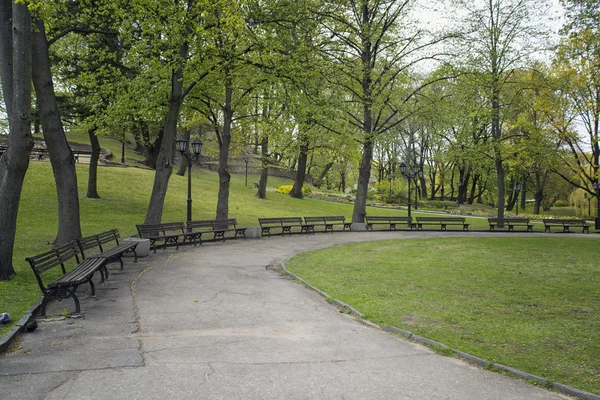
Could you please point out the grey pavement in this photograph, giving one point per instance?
(213, 322)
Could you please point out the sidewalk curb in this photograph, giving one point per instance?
(559, 387)
(10, 336)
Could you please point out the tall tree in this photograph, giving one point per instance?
(15, 70)
(578, 80)
(61, 156)
(499, 37)
(371, 48)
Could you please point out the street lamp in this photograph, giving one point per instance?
(517, 188)
(246, 161)
(409, 172)
(182, 144)
(596, 186)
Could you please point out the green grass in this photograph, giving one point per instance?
(530, 303)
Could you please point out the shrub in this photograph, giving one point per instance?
(286, 189)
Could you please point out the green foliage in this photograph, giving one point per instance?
(286, 189)
(486, 296)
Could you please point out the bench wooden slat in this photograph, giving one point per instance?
(442, 221)
(566, 224)
(511, 223)
(328, 222)
(156, 232)
(392, 221)
(285, 224)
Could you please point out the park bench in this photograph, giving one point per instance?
(195, 229)
(511, 223)
(443, 222)
(285, 224)
(168, 232)
(328, 222)
(390, 221)
(566, 224)
(65, 285)
(112, 254)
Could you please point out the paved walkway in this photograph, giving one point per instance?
(212, 322)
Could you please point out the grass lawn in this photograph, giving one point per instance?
(530, 303)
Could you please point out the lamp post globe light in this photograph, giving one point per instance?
(596, 186)
(182, 145)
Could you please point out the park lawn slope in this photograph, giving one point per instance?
(529, 303)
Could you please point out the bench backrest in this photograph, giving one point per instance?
(280, 221)
(269, 221)
(206, 224)
(224, 223)
(387, 219)
(98, 240)
(145, 230)
(311, 220)
(441, 219)
(58, 256)
(329, 219)
(508, 220)
(565, 221)
(291, 220)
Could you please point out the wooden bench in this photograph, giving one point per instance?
(443, 222)
(195, 229)
(168, 232)
(65, 286)
(391, 221)
(566, 224)
(328, 222)
(511, 223)
(113, 254)
(285, 224)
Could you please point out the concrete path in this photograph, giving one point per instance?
(212, 322)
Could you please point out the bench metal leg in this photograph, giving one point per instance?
(60, 294)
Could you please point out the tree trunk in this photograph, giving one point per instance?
(523, 194)
(423, 185)
(264, 173)
(152, 151)
(6, 53)
(164, 163)
(224, 175)
(301, 171)
(14, 162)
(364, 174)
(184, 164)
(92, 190)
(61, 156)
(496, 136)
(319, 180)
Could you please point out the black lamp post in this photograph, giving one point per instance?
(182, 145)
(246, 161)
(517, 188)
(596, 186)
(409, 172)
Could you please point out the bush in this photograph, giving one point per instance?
(286, 189)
